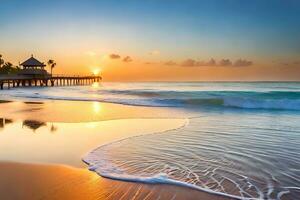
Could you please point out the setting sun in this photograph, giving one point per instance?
(96, 71)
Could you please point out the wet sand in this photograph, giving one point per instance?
(27, 181)
(32, 141)
(79, 111)
(40, 154)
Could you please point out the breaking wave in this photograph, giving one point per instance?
(280, 100)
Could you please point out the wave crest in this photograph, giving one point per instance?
(281, 100)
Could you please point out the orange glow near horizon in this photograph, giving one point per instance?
(143, 68)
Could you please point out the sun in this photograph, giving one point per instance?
(96, 71)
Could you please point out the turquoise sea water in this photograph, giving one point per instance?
(242, 139)
(262, 95)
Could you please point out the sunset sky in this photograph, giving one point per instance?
(151, 40)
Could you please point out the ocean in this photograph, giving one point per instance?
(241, 139)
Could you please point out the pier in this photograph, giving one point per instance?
(44, 81)
(33, 74)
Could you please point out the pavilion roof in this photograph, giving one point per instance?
(33, 62)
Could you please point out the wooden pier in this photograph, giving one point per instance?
(44, 81)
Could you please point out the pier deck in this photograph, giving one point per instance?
(10, 81)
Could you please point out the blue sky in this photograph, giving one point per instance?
(265, 26)
(258, 30)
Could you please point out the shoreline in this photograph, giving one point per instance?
(49, 173)
(69, 111)
(39, 127)
(63, 182)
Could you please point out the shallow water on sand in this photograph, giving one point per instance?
(33, 141)
(238, 154)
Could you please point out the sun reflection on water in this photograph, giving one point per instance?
(96, 107)
(95, 85)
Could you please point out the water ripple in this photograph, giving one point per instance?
(215, 154)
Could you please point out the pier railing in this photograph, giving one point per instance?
(47, 80)
(72, 76)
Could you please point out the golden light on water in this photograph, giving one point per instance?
(96, 107)
(95, 85)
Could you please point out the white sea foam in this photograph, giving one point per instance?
(108, 170)
(214, 154)
(161, 179)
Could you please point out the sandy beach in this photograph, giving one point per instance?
(28, 181)
(42, 145)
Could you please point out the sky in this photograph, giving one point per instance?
(151, 40)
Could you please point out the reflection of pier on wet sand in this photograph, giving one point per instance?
(48, 80)
(4, 121)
